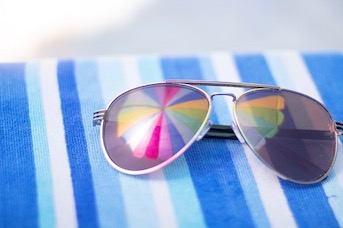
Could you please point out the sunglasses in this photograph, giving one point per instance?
(146, 128)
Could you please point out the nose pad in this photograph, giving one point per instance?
(224, 94)
(237, 132)
(205, 130)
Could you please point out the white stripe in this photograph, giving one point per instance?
(299, 75)
(163, 204)
(303, 82)
(338, 167)
(61, 175)
(131, 71)
(271, 193)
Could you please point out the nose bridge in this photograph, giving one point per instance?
(224, 94)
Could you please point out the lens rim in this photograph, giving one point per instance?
(261, 159)
(176, 155)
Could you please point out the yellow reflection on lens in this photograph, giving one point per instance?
(262, 113)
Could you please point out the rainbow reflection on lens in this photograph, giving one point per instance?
(264, 114)
(146, 126)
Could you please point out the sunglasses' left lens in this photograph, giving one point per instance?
(147, 127)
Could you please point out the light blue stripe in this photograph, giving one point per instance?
(137, 194)
(108, 194)
(112, 79)
(185, 201)
(241, 163)
(139, 202)
(279, 71)
(331, 184)
(180, 185)
(45, 196)
(150, 71)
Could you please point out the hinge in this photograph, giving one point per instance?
(339, 128)
(98, 116)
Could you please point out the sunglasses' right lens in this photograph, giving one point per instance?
(290, 132)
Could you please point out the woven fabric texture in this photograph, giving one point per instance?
(53, 172)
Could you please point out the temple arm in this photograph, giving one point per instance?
(225, 84)
(226, 132)
(339, 127)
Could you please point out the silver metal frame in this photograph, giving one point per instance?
(223, 84)
(100, 115)
(266, 164)
(175, 156)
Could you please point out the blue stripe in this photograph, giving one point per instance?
(213, 174)
(40, 148)
(111, 78)
(18, 190)
(328, 70)
(106, 179)
(76, 146)
(317, 210)
(254, 69)
(239, 159)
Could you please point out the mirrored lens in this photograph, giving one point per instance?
(150, 125)
(290, 132)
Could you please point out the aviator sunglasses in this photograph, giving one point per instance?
(146, 128)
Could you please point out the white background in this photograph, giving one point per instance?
(69, 28)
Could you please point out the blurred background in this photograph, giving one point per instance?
(75, 28)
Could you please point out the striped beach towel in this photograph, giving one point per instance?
(53, 172)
